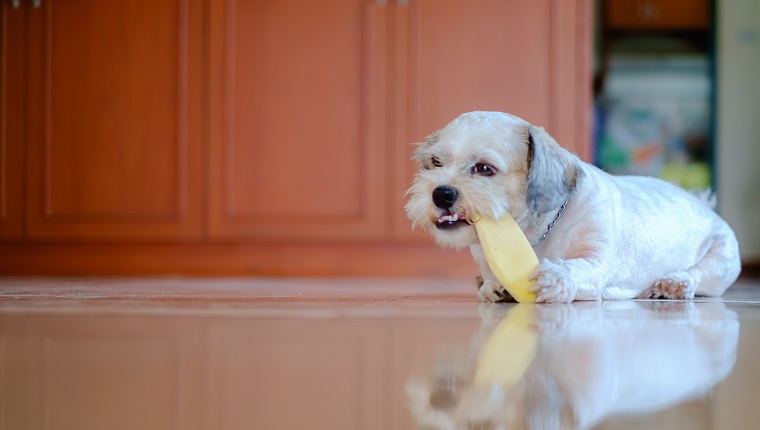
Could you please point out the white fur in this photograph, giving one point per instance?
(620, 237)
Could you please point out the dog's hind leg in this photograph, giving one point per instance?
(720, 266)
(710, 276)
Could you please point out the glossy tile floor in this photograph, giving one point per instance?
(367, 354)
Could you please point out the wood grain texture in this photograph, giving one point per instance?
(297, 119)
(114, 124)
(531, 59)
(12, 47)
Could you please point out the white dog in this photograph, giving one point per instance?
(597, 236)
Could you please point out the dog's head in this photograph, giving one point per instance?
(487, 163)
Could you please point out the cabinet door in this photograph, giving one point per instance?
(531, 59)
(12, 40)
(114, 122)
(297, 119)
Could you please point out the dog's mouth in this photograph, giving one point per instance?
(451, 221)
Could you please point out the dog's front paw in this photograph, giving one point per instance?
(676, 285)
(491, 292)
(553, 283)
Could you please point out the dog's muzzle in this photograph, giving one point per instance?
(444, 197)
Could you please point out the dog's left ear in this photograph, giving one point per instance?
(553, 172)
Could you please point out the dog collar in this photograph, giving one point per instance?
(551, 225)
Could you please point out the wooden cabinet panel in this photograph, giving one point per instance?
(115, 119)
(531, 59)
(12, 47)
(297, 119)
(305, 374)
(665, 14)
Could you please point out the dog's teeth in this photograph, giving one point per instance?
(450, 217)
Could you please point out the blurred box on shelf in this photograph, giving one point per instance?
(654, 118)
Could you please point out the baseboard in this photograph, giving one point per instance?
(233, 260)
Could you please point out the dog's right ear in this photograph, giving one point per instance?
(420, 154)
(553, 172)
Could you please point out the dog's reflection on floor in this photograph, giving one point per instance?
(587, 361)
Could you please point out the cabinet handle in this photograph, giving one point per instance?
(381, 2)
(36, 4)
(647, 11)
(15, 4)
(402, 2)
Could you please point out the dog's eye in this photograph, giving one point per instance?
(435, 162)
(483, 169)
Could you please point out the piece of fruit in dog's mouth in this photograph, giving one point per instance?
(451, 221)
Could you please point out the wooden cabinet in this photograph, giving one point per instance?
(530, 59)
(114, 119)
(258, 137)
(657, 14)
(298, 130)
(12, 51)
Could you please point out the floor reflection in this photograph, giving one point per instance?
(401, 364)
(573, 366)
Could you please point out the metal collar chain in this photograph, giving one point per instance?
(551, 226)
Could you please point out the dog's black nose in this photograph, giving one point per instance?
(445, 196)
